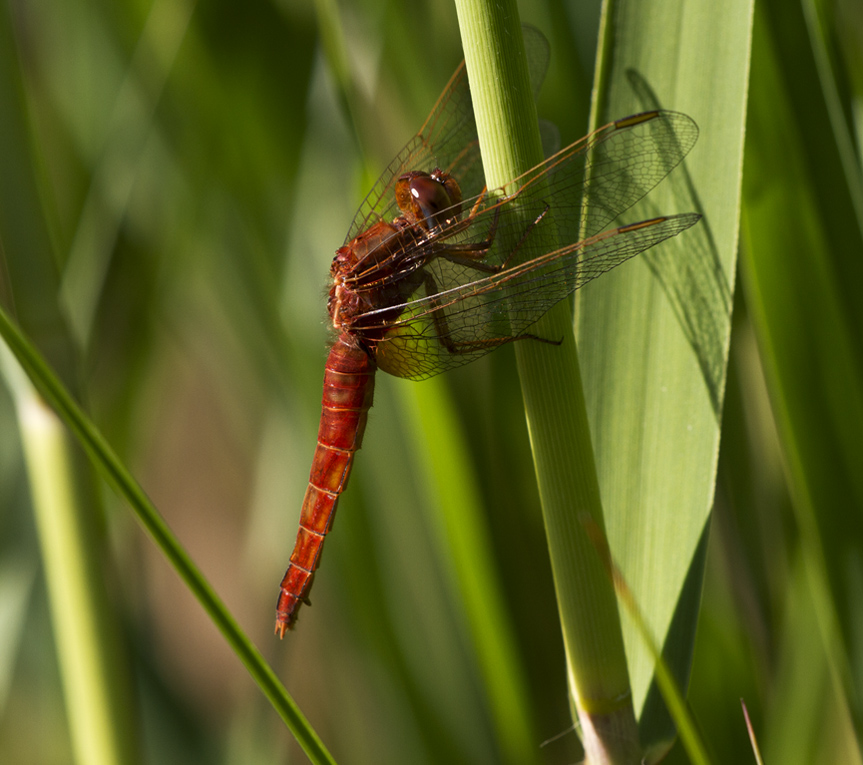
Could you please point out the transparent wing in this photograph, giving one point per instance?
(574, 194)
(447, 328)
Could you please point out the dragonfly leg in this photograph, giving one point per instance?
(525, 235)
(469, 254)
(459, 347)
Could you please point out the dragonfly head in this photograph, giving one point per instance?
(429, 200)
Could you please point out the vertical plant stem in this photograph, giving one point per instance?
(554, 403)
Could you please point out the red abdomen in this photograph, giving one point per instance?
(349, 378)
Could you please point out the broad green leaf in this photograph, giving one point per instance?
(653, 336)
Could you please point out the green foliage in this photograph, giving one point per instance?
(174, 178)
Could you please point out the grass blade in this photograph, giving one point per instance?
(127, 487)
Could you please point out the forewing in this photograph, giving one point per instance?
(578, 192)
(596, 179)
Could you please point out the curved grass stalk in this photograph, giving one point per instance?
(105, 459)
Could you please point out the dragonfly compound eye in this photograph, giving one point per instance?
(431, 200)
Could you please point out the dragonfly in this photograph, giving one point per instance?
(437, 270)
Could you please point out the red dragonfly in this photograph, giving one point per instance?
(436, 271)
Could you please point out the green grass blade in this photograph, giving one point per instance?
(127, 487)
(672, 694)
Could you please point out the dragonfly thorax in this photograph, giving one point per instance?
(364, 272)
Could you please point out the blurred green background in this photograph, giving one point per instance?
(174, 178)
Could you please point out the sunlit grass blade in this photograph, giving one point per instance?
(755, 750)
(100, 717)
(656, 450)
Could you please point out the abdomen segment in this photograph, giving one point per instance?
(348, 391)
